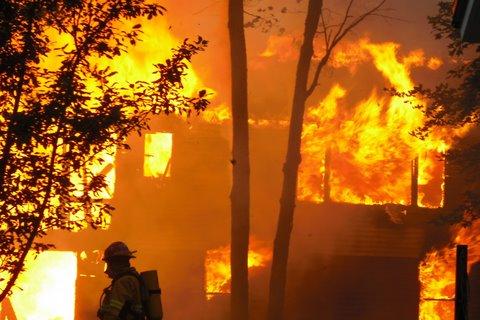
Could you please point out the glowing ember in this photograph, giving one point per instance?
(46, 290)
(217, 114)
(284, 47)
(370, 146)
(158, 152)
(217, 268)
(437, 274)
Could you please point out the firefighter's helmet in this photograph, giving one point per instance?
(117, 249)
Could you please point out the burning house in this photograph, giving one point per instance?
(367, 195)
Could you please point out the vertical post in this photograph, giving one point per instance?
(414, 184)
(326, 176)
(461, 284)
(452, 195)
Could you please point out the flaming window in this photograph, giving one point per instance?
(158, 154)
(359, 151)
(47, 287)
(217, 268)
(106, 167)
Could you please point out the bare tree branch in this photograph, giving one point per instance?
(324, 31)
(387, 17)
(342, 32)
(337, 39)
(206, 7)
(345, 18)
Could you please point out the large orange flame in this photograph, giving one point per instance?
(370, 146)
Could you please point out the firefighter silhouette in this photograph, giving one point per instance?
(123, 298)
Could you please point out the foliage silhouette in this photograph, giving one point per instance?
(454, 103)
(56, 120)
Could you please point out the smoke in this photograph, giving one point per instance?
(173, 221)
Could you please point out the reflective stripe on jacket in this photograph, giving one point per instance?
(122, 299)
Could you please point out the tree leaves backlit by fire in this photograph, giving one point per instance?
(65, 100)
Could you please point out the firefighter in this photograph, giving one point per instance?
(122, 300)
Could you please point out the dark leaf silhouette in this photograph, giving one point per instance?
(54, 129)
(454, 103)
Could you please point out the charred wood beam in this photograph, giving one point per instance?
(414, 184)
(326, 176)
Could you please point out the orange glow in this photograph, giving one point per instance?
(221, 114)
(437, 274)
(46, 290)
(283, 47)
(157, 42)
(217, 268)
(437, 279)
(217, 114)
(158, 153)
(434, 63)
(369, 143)
(103, 164)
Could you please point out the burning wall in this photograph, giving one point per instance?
(46, 290)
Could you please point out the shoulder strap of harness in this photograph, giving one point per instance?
(127, 308)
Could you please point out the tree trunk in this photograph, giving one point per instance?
(240, 194)
(278, 274)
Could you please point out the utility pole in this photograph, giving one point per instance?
(461, 284)
(414, 184)
(466, 17)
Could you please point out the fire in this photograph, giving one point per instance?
(437, 274)
(156, 44)
(369, 145)
(217, 268)
(137, 64)
(46, 290)
(284, 47)
(217, 114)
(221, 114)
(158, 152)
(102, 164)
